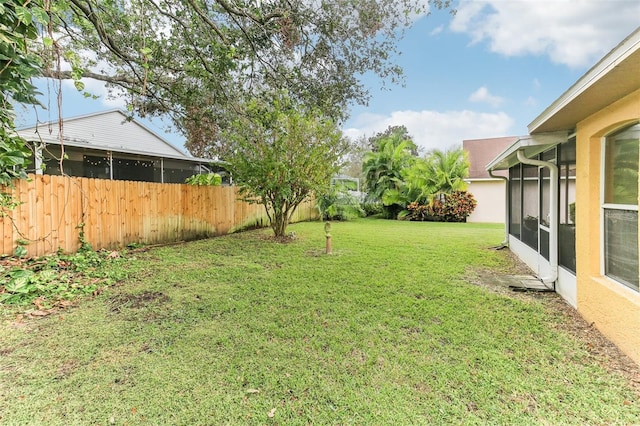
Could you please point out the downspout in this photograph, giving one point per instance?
(505, 243)
(553, 215)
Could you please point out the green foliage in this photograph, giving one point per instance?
(14, 158)
(21, 249)
(196, 61)
(446, 170)
(19, 22)
(372, 208)
(52, 279)
(354, 158)
(205, 179)
(338, 204)
(283, 155)
(418, 181)
(622, 159)
(396, 134)
(416, 187)
(383, 169)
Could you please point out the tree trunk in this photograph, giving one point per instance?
(279, 223)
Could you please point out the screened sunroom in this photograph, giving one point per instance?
(541, 196)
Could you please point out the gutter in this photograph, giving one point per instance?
(505, 242)
(553, 214)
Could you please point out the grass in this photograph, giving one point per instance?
(244, 330)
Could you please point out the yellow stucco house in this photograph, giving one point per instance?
(572, 195)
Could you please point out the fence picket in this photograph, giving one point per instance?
(117, 213)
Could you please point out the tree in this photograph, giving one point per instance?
(430, 180)
(383, 169)
(199, 61)
(447, 170)
(354, 158)
(396, 134)
(415, 187)
(282, 155)
(19, 20)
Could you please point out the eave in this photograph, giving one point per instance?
(531, 145)
(85, 145)
(613, 77)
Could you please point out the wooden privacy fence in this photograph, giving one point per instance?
(54, 210)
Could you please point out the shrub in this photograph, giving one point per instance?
(372, 208)
(415, 211)
(208, 179)
(457, 206)
(339, 204)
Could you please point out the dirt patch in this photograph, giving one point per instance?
(137, 301)
(600, 349)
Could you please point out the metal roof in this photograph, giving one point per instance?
(112, 130)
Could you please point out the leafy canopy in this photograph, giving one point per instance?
(383, 167)
(430, 180)
(18, 26)
(201, 61)
(283, 154)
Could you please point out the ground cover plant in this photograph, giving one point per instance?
(389, 329)
(48, 282)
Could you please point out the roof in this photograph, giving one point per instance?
(613, 77)
(112, 130)
(531, 145)
(482, 151)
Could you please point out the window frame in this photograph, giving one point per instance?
(613, 206)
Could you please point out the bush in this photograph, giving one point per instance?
(339, 204)
(457, 206)
(208, 179)
(371, 209)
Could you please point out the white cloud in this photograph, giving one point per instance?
(483, 95)
(573, 33)
(437, 30)
(433, 129)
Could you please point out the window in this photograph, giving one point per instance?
(620, 207)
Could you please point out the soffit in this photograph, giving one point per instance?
(615, 76)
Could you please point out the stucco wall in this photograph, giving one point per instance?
(613, 308)
(490, 195)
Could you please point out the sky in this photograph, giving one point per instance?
(487, 71)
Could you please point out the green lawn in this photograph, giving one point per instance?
(244, 330)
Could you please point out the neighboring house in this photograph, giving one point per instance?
(486, 189)
(583, 242)
(110, 145)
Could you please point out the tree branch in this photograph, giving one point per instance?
(208, 21)
(238, 12)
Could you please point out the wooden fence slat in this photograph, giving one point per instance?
(117, 213)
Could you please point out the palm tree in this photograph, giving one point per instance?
(383, 169)
(415, 187)
(447, 170)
